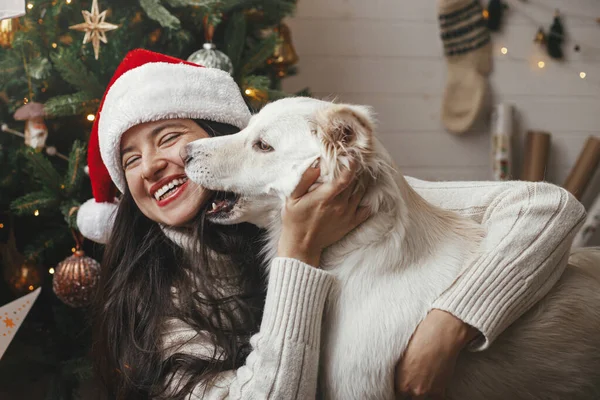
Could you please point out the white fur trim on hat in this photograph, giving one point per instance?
(95, 220)
(160, 90)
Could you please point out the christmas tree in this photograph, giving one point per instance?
(54, 65)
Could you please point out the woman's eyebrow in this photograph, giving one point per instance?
(155, 132)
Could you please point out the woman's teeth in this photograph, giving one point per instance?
(168, 188)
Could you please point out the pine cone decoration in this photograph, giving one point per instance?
(76, 279)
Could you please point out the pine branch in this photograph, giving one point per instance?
(71, 104)
(258, 82)
(75, 171)
(258, 59)
(235, 36)
(73, 71)
(193, 3)
(43, 171)
(65, 208)
(160, 14)
(46, 240)
(39, 68)
(28, 204)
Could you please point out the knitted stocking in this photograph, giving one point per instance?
(467, 47)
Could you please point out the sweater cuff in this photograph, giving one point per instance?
(295, 301)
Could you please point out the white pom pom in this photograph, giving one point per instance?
(95, 220)
(51, 150)
(86, 169)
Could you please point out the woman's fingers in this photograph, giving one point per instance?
(309, 177)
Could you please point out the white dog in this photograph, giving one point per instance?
(401, 259)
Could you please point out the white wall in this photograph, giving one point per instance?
(387, 53)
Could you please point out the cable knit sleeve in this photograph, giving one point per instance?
(283, 363)
(529, 230)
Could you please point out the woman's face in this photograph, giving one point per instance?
(151, 156)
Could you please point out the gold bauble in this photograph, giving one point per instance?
(8, 27)
(23, 278)
(284, 55)
(75, 279)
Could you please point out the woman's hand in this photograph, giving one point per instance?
(315, 220)
(428, 363)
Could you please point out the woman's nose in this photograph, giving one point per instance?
(152, 165)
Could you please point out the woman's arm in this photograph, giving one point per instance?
(529, 229)
(284, 361)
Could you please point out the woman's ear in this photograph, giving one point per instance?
(346, 131)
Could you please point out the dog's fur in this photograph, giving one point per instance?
(390, 270)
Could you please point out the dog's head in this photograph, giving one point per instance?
(263, 163)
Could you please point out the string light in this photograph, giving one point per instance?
(91, 117)
(51, 271)
(29, 6)
(68, 1)
(504, 50)
(54, 45)
(541, 64)
(582, 75)
(36, 212)
(248, 92)
(30, 287)
(486, 14)
(73, 250)
(1, 226)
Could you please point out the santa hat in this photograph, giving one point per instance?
(146, 87)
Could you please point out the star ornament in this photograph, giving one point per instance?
(94, 27)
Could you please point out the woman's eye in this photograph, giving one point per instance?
(130, 161)
(263, 146)
(169, 138)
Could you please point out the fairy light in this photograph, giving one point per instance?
(486, 14)
(1, 226)
(73, 249)
(582, 75)
(91, 117)
(504, 50)
(248, 92)
(36, 212)
(29, 6)
(541, 64)
(30, 288)
(68, 1)
(51, 271)
(54, 45)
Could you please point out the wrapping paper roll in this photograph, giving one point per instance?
(590, 226)
(535, 160)
(502, 130)
(584, 167)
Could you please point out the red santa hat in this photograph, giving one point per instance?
(146, 87)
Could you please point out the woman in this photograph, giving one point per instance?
(180, 298)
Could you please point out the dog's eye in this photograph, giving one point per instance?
(262, 146)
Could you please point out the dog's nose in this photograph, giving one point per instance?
(185, 154)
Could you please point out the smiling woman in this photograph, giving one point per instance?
(182, 306)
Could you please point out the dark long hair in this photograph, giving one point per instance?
(140, 270)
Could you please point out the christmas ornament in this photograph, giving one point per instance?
(94, 27)
(12, 316)
(21, 275)
(556, 38)
(208, 55)
(495, 10)
(284, 55)
(36, 131)
(8, 27)
(76, 277)
(540, 36)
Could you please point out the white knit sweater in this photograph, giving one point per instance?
(529, 227)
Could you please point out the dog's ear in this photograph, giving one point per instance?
(346, 131)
